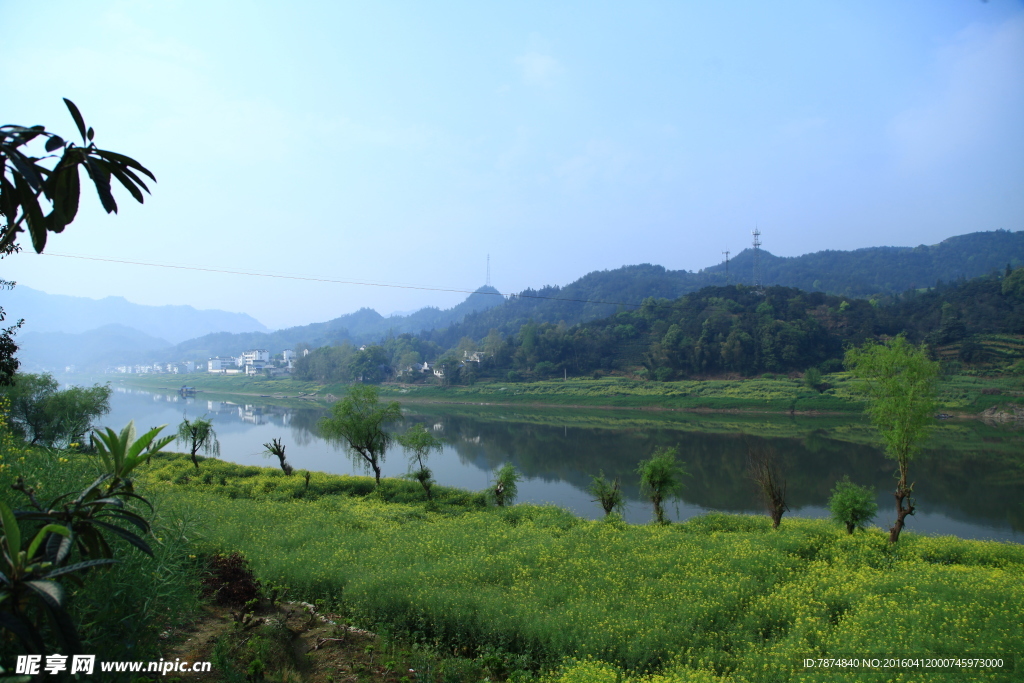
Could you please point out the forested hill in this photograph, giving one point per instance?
(860, 273)
(881, 270)
(739, 329)
(365, 325)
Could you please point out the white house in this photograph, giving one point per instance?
(249, 357)
(219, 364)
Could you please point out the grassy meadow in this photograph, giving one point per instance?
(721, 597)
(532, 593)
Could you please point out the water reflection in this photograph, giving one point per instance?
(970, 480)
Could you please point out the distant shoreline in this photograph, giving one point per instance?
(754, 396)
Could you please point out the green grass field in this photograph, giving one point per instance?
(549, 596)
(721, 597)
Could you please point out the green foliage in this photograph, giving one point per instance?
(44, 414)
(122, 453)
(608, 494)
(812, 378)
(419, 442)
(661, 478)
(263, 483)
(504, 489)
(899, 380)
(359, 421)
(369, 365)
(852, 505)
(539, 584)
(1013, 284)
(198, 435)
(26, 184)
(69, 536)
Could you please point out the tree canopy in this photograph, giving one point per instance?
(359, 421)
(899, 380)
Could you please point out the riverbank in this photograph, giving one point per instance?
(960, 395)
(534, 593)
(463, 591)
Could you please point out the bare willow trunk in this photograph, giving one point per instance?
(904, 504)
(767, 474)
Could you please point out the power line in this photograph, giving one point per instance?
(336, 282)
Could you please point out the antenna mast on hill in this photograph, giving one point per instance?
(488, 270)
(726, 252)
(757, 258)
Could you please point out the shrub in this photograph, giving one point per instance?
(503, 489)
(660, 478)
(852, 505)
(608, 494)
(230, 581)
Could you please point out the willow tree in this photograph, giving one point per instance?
(661, 478)
(198, 435)
(419, 442)
(899, 381)
(359, 422)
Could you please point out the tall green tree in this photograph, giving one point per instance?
(43, 413)
(359, 421)
(198, 435)
(899, 381)
(370, 365)
(661, 478)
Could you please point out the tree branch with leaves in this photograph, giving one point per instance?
(899, 380)
(41, 193)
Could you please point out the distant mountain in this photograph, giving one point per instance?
(860, 273)
(95, 349)
(364, 326)
(881, 270)
(75, 314)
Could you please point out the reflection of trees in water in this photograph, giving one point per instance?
(303, 422)
(949, 481)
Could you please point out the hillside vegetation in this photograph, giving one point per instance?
(533, 589)
(731, 331)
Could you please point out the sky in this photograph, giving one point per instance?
(402, 143)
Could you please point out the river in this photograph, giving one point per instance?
(969, 478)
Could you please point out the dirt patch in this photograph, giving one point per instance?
(286, 642)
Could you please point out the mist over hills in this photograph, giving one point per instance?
(364, 326)
(53, 351)
(859, 273)
(74, 314)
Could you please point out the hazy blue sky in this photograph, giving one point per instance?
(401, 142)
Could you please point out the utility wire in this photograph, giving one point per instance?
(336, 282)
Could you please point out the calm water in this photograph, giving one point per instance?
(969, 481)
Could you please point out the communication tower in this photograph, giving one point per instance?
(726, 252)
(488, 270)
(757, 258)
